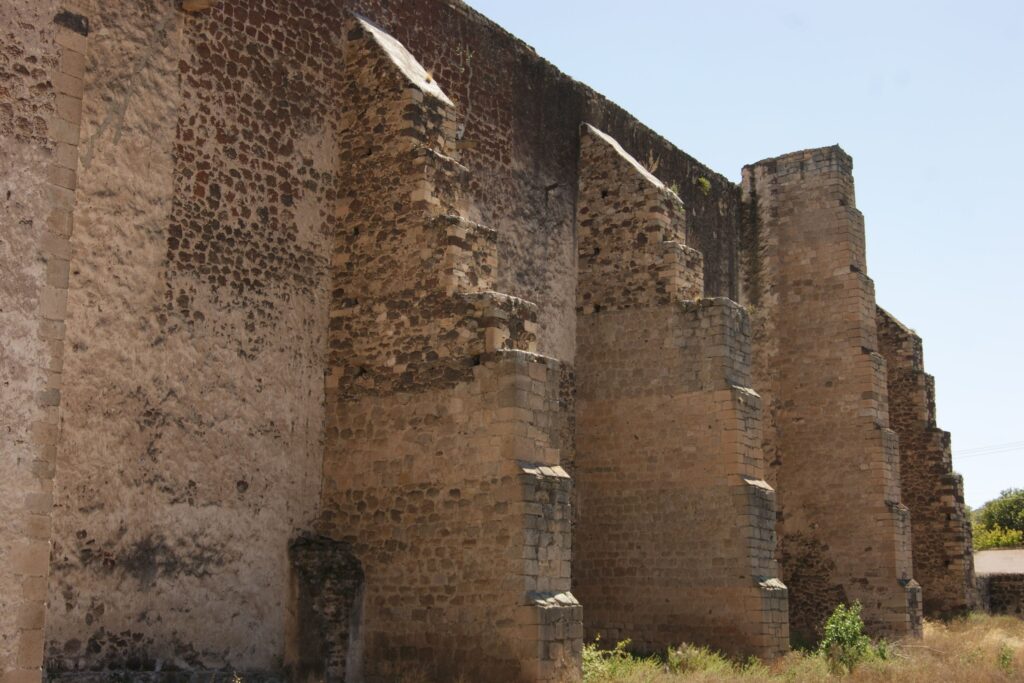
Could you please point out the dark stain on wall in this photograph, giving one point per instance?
(325, 639)
(76, 22)
(813, 594)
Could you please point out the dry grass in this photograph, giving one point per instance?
(977, 649)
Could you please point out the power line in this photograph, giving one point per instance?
(999, 446)
(993, 450)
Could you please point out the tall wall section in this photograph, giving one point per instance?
(192, 417)
(844, 533)
(943, 554)
(42, 48)
(442, 460)
(205, 182)
(675, 525)
(207, 188)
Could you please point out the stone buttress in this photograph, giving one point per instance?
(674, 533)
(942, 550)
(844, 533)
(441, 465)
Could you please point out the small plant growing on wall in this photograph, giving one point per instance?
(704, 185)
(652, 162)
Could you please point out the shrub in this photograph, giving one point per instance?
(692, 658)
(972, 649)
(996, 537)
(615, 664)
(844, 643)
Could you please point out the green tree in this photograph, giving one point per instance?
(999, 523)
(1005, 512)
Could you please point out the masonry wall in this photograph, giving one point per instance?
(442, 460)
(1001, 594)
(192, 431)
(844, 532)
(192, 423)
(42, 47)
(942, 551)
(204, 196)
(520, 117)
(674, 523)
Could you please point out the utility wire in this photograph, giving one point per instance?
(1000, 449)
(1000, 446)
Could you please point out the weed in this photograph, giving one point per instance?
(974, 649)
(652, 162)
(1004, 659)
(691, 658)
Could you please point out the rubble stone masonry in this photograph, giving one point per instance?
(192, 429)
(332, 347)
(1002, 593)
(442, 465)
(844, 532)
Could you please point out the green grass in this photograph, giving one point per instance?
(975, 649)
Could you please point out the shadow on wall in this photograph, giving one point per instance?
(323, 638)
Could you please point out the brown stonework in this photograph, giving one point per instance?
(303, 317)
(442, 459)
(323, 630)
(1002, 594)
(844, 533)
(943, 556)
(197, 314)
(668, 463)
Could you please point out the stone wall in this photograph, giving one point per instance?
(192, 421)
(442, 459)
(192, 431)
(943, 555)
(844, 532)
(1001, 593)
(520, 117)
(167, 358)
(674, 530)
(42, 48)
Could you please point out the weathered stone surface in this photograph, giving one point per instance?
(943, 556)
(668, 462)
(442, 458)
(323, 630)
(844, 532)
(192, 431)
(271, 272)
(38, 128)
(1002, 593)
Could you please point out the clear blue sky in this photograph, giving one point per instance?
(926, 96)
